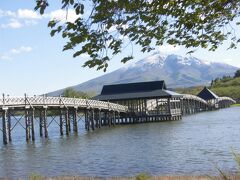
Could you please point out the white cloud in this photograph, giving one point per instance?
(28, 14)
(19, 19)
(169, 48)
(14, 24)
(5, 57)
(1, 13)
(10, 54)
(28, 17)
(7, 13)
(30, 22)
(21, 50)
(63, 15)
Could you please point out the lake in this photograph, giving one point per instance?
(195, 145)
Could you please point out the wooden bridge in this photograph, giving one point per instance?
(191, 104)
(151, 103)
(69, 110)
(94, 113)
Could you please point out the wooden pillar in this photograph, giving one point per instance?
(100, 118)
(104, 118)
(45, 122)
(92, 119)
(96, 119)
(75, 117)
(69, 121)
(109, 119)
(27, 125)
(114, 118)
(118, 117)
(32, 125)
(4, 127)
(9, 126)
(66, 121)
(169, 106)
(86, 119)
(61, 122)
(41, 123)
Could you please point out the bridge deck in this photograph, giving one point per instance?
(95, 113)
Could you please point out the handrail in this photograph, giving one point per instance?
(196, 98)
(59, 101)
(193, 97)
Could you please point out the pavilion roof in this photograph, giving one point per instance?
(139, 90)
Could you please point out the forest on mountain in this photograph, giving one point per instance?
(222, 86)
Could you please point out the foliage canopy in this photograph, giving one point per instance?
(105, 28)
(237, 73)
(71, 93)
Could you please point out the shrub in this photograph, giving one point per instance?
(142, 176)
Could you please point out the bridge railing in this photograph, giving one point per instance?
(193, 97)
(226, 99)
(60, 101)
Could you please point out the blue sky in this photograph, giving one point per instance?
(32, 62)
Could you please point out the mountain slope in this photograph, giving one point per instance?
(227, 86)
(177, 71)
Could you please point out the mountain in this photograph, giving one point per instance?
(177, 71)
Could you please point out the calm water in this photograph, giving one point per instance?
(192, 146)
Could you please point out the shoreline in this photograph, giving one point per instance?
(137, 177)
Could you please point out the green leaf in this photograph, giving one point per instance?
(124, 60)
(78, 53)
(191, 24)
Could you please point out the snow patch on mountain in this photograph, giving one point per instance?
(159, 60)
(177, 71)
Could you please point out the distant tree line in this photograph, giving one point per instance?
(72, 93)
(237, 74)
(224, 86)
(226, 78)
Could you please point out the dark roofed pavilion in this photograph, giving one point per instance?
(140, 90)
(143, 98)
(207, 94)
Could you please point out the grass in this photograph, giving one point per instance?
(142, 176)
(35, 176)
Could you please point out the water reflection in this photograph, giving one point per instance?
(191, 146)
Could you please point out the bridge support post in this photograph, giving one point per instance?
(41, 123)
(92, 119)
(27, 125)
(67, 121)
(105, 119)
(109, 118)
(32, 125)
(118, 117)
(61, 122)
(114, 118)
(5, 127)
(75, 115)
(9, 126)
(99, 119)
(45, 123)
(86, 120)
